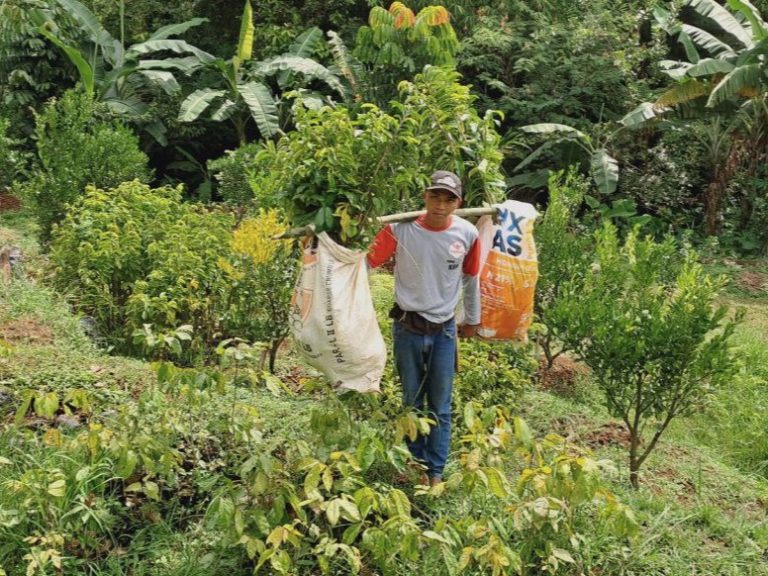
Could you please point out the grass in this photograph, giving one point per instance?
(701, 504)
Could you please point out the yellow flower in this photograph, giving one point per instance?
(254, 237)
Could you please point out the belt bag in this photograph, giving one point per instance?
(415, 322)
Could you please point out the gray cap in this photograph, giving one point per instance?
(444, 180)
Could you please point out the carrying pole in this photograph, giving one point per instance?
(401, 217)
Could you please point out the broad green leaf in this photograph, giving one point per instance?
(85, 70)
(752, 14)
(662, 16)
(126, 106)
(163, 79)
(281, 561)
(690, 48)
(400, 502)
(552, 128)
(225, 111)
(724, 19)
(26, 402)
(46, 405)
(536, 153)
(640, 115)
(563, 555)
(496, 483)
(351, 533)
(682, 93)
(305, 66)
(175, 46)
(176, 29)
(349, 510)
(196, 103)
(306, 43)
(96, 33)
(674, 69)
(523, 432)
(126, 464)
(333, 511)
(605, 171)
(432, 535)
(262, 107)
(186, 64)
(708, 42)
(152, 490)
(57, 488)
(709, 66)
(744, 78)
(245, 40)
(535, 179)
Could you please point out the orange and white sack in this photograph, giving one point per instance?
(509, 269)
(333, 319)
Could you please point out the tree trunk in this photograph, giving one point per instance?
(273, 354)
(713, 200)
(634, 460)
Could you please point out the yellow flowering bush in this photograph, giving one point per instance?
(262, 272)
(255, 237)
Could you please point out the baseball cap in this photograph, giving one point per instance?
(444, 180)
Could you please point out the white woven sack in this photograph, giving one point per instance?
(333, 319)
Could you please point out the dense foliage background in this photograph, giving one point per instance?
(150, 153)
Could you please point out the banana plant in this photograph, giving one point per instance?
(119, 75)
(726, 54)
(242, 93)
(724, 81)
(604, 168)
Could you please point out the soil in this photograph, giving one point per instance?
(562, 376)
(8, 202)
(753, 282)
(612, 433)
(26, 330)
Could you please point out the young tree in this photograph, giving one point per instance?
(564, 259)
(648, 328)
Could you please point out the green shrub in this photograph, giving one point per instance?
(493, 374)
(136, 256)
(645, 322)
(9, 158)
(101, 248)
(231, 174)
(78, 145)
(564, 259)
(338, 170)
(261, 276)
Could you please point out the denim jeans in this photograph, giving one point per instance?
(425, 364)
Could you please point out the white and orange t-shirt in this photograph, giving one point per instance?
(431, 267)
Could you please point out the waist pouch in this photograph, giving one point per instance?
(415, 322)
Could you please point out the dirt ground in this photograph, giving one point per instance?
(8, 202)
(26, 330)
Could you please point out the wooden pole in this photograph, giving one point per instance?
(401, 217)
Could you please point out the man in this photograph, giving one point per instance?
(434, 257)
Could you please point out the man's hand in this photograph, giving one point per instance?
(468, 330)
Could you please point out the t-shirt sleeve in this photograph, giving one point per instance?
(471, 266)
(384, 245)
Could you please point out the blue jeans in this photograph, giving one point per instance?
(425, 364)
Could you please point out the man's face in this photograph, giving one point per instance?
(440, 204)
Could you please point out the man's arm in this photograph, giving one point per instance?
(384, 245)
(471, 285)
